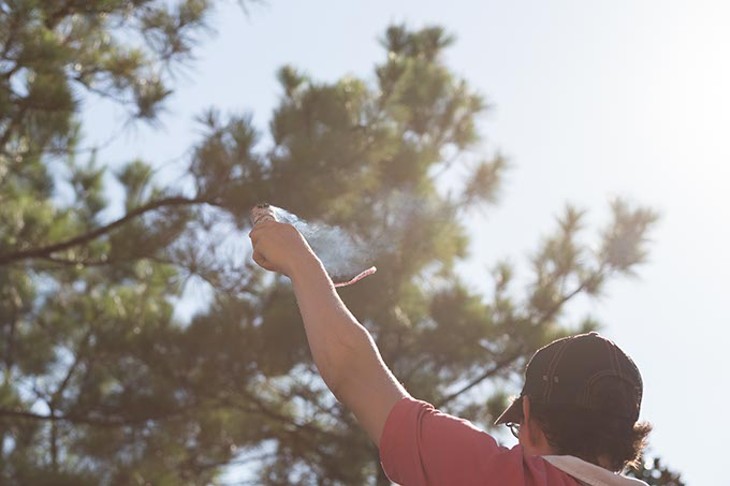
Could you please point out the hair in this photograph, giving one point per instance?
(609, 442)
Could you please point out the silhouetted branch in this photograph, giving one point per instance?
(80, 419)
(47, 251)
(504, 363)
(22, 414)
(498, 366)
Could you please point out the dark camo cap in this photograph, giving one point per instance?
(586, 371)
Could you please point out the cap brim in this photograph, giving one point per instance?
(513, 414)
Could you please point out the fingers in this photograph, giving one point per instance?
(257, 256)
(257, 231)
(276, 245)
(263, 227)
(262, 261)
(258, 235)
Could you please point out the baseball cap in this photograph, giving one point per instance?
(585, 371)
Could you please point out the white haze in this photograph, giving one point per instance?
(342, 255)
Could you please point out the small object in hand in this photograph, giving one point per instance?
(262, 212)
(357, 277)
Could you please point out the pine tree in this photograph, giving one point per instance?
(655, 473)
(102, 385)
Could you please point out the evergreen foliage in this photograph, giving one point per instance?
(102, 385)
(655, 473)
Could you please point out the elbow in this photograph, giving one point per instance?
(348, 357)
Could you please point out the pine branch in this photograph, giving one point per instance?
(559, 304)
(53, 19)
(311, 436)
(13, 124)
(498, 366)
(504, 363)
(22, 414)
(75, 263)
(78, 358)
(49, 250)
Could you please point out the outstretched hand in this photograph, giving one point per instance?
(344, 352)
(278, 247)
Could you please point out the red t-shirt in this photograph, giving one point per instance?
(423, 446)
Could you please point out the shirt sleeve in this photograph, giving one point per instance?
(421, 445)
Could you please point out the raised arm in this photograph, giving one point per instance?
(343, 350)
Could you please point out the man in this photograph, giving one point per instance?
(575, 418)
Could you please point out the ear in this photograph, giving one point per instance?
(528, 423)
(534, 439)
(526, 436)
(525, 409)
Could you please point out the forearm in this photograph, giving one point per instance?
(343, 350)
(337, 340)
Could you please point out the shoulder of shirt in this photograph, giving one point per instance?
(590, 474)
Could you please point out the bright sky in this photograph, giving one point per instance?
(593, 100)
